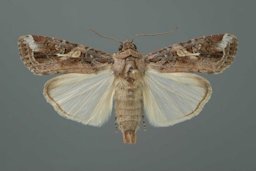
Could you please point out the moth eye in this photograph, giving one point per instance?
(135, 47)
(120, 47)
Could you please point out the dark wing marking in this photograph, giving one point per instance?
(208, 54)
(47, 55)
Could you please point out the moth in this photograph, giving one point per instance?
(160, 85)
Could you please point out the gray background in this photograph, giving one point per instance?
(34, 137)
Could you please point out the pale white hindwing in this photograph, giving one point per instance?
(85, 98)
(170, 98)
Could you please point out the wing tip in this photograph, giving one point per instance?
(26, 54)
(228, 44)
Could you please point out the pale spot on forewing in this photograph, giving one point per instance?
(194, 57)
(227, 39)
(72, 54)
(182, 52)
(62, 56)
(185, 53)
(31, 43)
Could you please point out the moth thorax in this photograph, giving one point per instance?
(131, 71)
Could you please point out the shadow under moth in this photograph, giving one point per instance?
(160, 85)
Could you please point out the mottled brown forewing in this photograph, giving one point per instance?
(47, 55)
(207, 54)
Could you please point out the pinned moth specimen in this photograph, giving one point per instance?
(160, 85)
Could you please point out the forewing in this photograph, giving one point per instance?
(85, 98)
(48, 55)
(210, 54)
(170, 98)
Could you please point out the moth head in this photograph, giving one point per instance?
(127, 45)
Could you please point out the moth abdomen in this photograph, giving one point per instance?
(128, 121)
(128, 109)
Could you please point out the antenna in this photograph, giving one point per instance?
(155, 34)
(106, 37)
